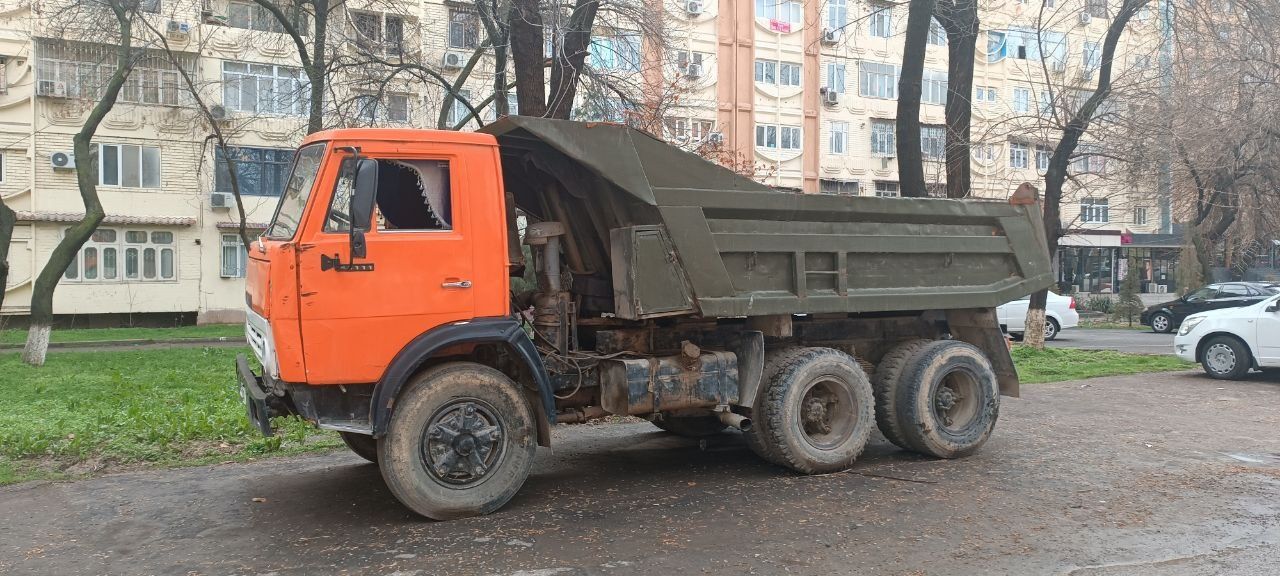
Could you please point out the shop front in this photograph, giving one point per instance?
(1097, 263)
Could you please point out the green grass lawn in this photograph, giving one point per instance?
(19, 336)
(1057, 364)
(88, 410)
(1113, 325)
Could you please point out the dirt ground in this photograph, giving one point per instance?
(1138, 475)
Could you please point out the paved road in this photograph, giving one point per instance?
(1169, 474)
(1144, 342)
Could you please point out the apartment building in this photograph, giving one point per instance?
(805, 92)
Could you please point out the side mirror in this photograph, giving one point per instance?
(1274, 307)
(363, 196)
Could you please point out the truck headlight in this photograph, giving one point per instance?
(1190, 324)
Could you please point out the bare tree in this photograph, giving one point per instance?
(910, 157)
(7, 221)
(959, 18)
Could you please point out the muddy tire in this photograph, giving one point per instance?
(690, 426)
(885, 384)
(460, 442)
(1226, 358)
(362, 444)
(948, 399)
(819, 411)
(1161, 323)
(773, 360)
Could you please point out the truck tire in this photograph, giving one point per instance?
(362, 444)
(690, 426)
(948, 399)
(1226, 358)
(819, 411)
(885, 384)
(460, 442)
(773, 360)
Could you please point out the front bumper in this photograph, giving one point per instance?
(1184, 347)
(254, 395)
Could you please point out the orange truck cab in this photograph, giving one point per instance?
(441, 299)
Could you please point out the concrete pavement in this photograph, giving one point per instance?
(1169, 474)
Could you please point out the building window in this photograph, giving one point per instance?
(619, 53)
(1043, 154)
(1087, 161)
(837, 14)
(835, 77)
(259, 171)
(877, 80)
(377, 32)
(777, 137)
(791, 13)
(81, 70)
(464, 29)
(1095, 211)
(128, 166)
(1091, 57)
(393, 108)
(887, 189)
(1097, 8)
(933, 88)
(685, 58)
(839, 137)
(1021, 100)
(1019, 155)
(458, 112)
(264, 89)
(843, 187)
(134, 256)
(933, 141)
(937, 35)
(1, 168)
(234, 256)
(1140, 215)
(777, 73)
(1046, 103)
(881, 21)
(984, 94)
(984, 153)
(252, 16)
(882, 138)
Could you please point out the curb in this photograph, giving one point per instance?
(134, 342)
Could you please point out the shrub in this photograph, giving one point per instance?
(1100, 303)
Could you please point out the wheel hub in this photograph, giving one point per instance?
(463, 441)
(946, 399)
(815, 416)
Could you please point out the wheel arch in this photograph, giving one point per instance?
(430, 345)
(1204, 340)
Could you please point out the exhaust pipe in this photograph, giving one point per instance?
(735, 420)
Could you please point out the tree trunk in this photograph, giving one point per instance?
(316, 70)
(1056, 176)
(527, 40)
(7, 221)
(87, 177)
(960, 20)
(567, 64)
(910, 157)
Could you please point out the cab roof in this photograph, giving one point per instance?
(400, 135)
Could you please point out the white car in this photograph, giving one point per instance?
(1059, 314)
(1231, 341)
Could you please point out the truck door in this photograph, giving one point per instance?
(416, 274)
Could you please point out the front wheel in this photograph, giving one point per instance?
(1225, 358)
(1161, 323)
(460, 443)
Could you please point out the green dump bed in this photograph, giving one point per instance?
(657, 231)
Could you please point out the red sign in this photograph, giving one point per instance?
(779, 26)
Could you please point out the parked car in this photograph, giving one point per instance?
(1167, 316)
(1059, 314)
(1230, 342)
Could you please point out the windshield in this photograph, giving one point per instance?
(306, 165)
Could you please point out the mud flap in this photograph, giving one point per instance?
(254, 396)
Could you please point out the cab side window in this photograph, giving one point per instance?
(1233, 291)
(412, 195)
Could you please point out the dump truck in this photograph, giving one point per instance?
(652, 283)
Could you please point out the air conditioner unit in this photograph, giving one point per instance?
(715, 138)
(1085, 18)
(218, 113)
(829, 97)
(452, 60)
(63, 160)
(178, 28)
(693, 70)
(693, 7)
(51, 88)
(221, 201)
(1162, 288)
(830, 36)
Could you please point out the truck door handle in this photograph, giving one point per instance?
(458, 284)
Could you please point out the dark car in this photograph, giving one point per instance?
(1167, 316)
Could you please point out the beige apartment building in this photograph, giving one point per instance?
(805, 91)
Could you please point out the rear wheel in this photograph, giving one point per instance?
(690, 426)
(885, 383)
(817, 411)
(1225, 358)
(1051, 328)
(460, 443)
(948, 399)
(1161, 322)
(362, 444)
